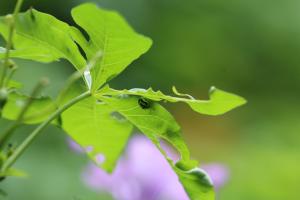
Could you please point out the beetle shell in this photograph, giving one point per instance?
(144, 103)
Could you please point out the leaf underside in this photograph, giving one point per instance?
(219, 101)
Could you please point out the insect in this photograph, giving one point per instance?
(144, 103)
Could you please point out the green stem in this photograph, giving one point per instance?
(11, 160)
(9, 131)
(9, 41)
(10, 74)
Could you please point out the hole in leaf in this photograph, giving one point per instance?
(117, 116)
(89, 149)
(169, 150)
(99, 158)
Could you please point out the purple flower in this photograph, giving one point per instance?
(143, 173)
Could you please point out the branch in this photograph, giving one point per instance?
(11, 19)
(23, 146)
(8, 132)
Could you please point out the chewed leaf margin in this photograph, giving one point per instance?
(219, 101)
(158, 124)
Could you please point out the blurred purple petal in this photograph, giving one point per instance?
(74, 146)
(143, 173)
(218, 173)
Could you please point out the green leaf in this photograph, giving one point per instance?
(157, 123)
(196, 183)
(41, 37)
(110, 35)
(220, 101)
(101, 133)
(38, 111)
(13, 84)
(13, 172)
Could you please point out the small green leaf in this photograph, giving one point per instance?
(97, 128)
(41, 37)
(220, 101)
(38, 111)
(13, 172)
(13, 84)
(111, 35)
(196, 183)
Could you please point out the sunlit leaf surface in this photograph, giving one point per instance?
(157, 123)
(112, 37)
(41, 37)
(102, 134)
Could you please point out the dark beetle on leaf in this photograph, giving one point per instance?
(144, 103)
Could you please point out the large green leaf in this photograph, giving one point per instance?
(220, 101)
(110, 35)
(157, 123)
(95, 127)
(41, 37)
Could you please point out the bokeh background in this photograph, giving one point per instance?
(251, 48)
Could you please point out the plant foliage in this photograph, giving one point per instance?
(103, 121)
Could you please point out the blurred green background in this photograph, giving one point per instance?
(251, 48)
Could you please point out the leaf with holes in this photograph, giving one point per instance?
(157, 123)
(96, 127)
(220, 101)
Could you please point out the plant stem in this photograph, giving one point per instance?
(13, 69)
(7, 134)
(9, 41)
(11, 160)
